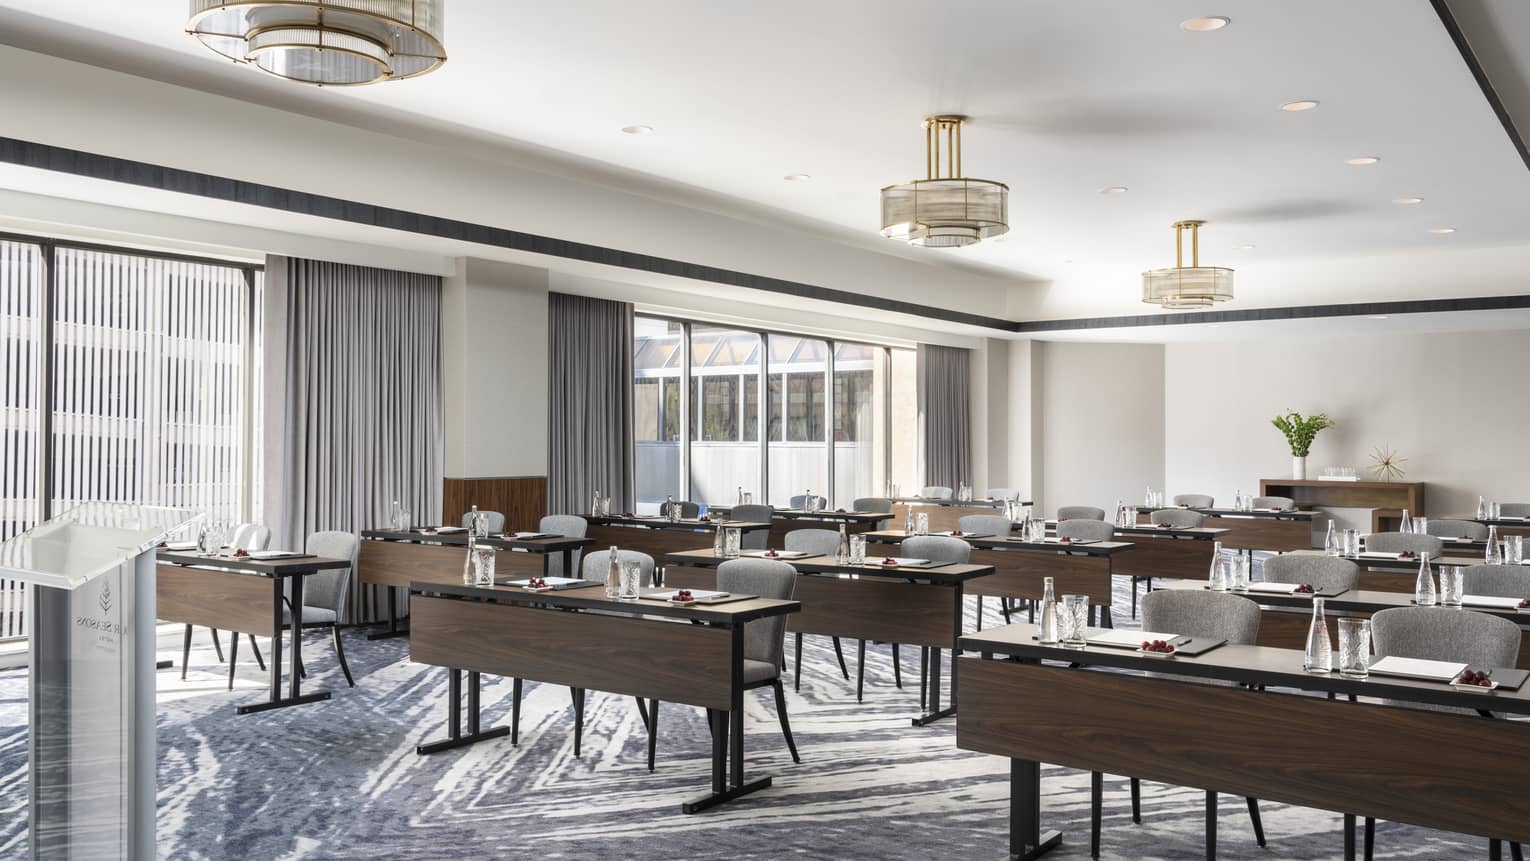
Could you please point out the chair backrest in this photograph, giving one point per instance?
(1458, 529)
(596, 563)
(1080, 512)
(936, 548)
(873, 504)
(1195, 500)
(1180, 518)
(764, 639)
(250, 536)
(986, 524)
(935, 491)
(800, 501)
(688, 510)
(1498, 581)
(757, 539)
(1216, 615)
(1446, 634)
(1086, 530)
(1322, 573)
(1279, 503)
(819, 542)
(1003, 492)
(1403, 542)
(1514, 509)
(569, 526)
(493, 521)
(328, 589)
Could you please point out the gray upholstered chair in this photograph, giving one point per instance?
(764, 639)
(1458, 529)
(758, 539)
(1179, 518)
(1278, 503)
(245, 536)
(568, 526)
(1498, 581)
(688, 510)
(1322, 573)
(873, 505)
(1080, 512)
(985, 524)
(800, 501)
(597, 562)
(1214, 615)
(325, 593)
(1444, 634)
(935, 491)
(1403, 542)
(1514, 509)
(493, 521)
(1086, 530)
(819, 542)
(1195, 500)
(938, 548)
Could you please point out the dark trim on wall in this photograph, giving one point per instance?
(1300, 312)
(1458, 36)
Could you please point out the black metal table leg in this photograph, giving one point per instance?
(394, 629)
(935, 712)
(295, 696)
(1026, 839)
(725, 724)
(455, 737)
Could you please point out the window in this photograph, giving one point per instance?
(799, 461)
(860, 422)
(725, 363)
(656, 366)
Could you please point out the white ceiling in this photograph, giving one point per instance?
(1065, 98)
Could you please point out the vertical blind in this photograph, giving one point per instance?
(21, 287)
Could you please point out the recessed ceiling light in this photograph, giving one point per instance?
(1113, 189)
(638, 130)
(1299, 105)
(1378, 317)
(796, 177)
(1068, 261)
(1441, 231)
(1206, 24)
(1407, 201)
(1243, 247)
(1362, 161)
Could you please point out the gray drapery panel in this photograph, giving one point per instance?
(945, 431)
(589, 394)
(353, 401)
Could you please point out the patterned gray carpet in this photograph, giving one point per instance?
(341, 779)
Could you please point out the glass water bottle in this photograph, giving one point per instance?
(1048, 632)
(842, 553)
(1319, 657)
(1423, 588)
(1407, 522)
(1217, 581)
(1331, 541)
(613, 574)
(1492, 556)
(1482, 511)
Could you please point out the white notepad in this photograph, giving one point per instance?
(1276, 588)
(551, 581)
(275, 554)
(1418, 668)
(1125, 639)
(779, 554)
(1489, 601)
(1378, 554)
(698, 594)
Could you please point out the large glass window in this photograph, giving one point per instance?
(725, 455)
(799, 458)
(860, 422)
(657, 366)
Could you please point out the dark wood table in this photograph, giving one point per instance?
(915, 606)
(945, 514)
(1276, 531)
(244, 596)
(394, 560)
(1166, 553)
(657, 536)
(579, 638)
(1432, 769)
(785, 520)
(1020, 566)
(1506, 525)
(1394, 575)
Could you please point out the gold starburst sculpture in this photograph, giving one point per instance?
(1386, 464)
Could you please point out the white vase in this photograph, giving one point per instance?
(1298, 468)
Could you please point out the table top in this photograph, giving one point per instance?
(594, 598)
(690, 524)
(995, 542)
(1353, 600)
(955, 503)
(1410, 564)
(1516, 522)
(1200, 533)
(953, 573)
(555, 544)
(1249, 664)
(1264, 513)
(294, 566)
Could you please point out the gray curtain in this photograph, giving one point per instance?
(352, 398)
(945, 432)
(589, 394)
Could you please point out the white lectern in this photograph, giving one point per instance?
(91, 622)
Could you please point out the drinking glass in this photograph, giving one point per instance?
(1450, 586)
(483, 566)
(731, 541)
(1073, 620)
(1238, 582)
(632, 573)
(1513, 549)
(1355, 647)
(1351, 543)
(405, 520)
(1421, 525)
(857, 549)
(921, 524)
(748, 498)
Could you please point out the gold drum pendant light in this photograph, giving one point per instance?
(945, 209)
(1193, 286)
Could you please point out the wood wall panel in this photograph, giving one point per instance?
(522, 499)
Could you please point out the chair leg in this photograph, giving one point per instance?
(1096, 803)
(980, 611)
(1253, 816)
(860, 670)
(515, 712)
(1134, 597)
(233, 658)
(578, 695)
(1004, 609)
(1515, 852)
(840, 653)
(897, 667)
(924, 674)
(1495, 850)
(1211, 826)
(786, 726)
(1370, 837)
(217, 644)
(643, 714)
(1136, 801)
(653, 728)
(797, 665)
(340, 653)
(256, 649)
(185, 652)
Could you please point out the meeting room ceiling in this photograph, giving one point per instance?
(1065, 99)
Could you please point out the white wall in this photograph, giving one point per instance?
(1101, 422)
(1452, 404)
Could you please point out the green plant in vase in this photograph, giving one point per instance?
(1300, 431)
